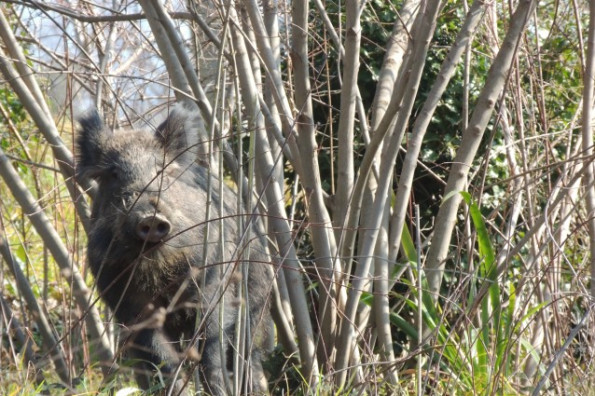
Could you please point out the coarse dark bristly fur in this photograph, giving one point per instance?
(173, 286)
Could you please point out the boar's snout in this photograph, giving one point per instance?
(153, 228)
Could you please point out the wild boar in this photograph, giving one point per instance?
(171, 270)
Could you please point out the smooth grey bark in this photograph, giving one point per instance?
(345, 161)
(397, 46)
(345, 132)
(381, 307)
(457, 179)
(271, 62)
(278, 225)
(463, 39)
(423, 30)
(382, 126)
(269, 174)
(278, 146)
(277, 110)
(271, 24)
(323, 241)
(587, 134)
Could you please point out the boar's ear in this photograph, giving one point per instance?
(89, 143)
(179, 133)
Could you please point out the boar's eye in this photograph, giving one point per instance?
(110, 175)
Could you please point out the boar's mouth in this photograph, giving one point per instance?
(157, 264)
(164, 251)
(149, 249)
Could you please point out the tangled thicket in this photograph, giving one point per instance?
(425, 170)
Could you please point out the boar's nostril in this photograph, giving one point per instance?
(153, 228)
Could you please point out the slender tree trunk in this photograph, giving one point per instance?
(320, 223)
(426, 24)
(587, 134)
(457, 179)
(447, 70)
(276, 211)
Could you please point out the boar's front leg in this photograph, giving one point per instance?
(156, 360)
(214, 366)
